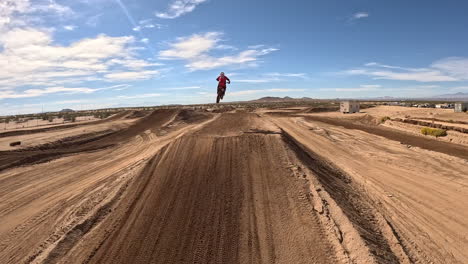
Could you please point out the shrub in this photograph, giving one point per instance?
(385, 118)
(69, 117)
(436, 132)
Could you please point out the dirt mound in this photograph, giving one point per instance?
(237, 188)
(403, 138)
(322, 109)
(223, 109)
(137, 114)
(192, 116)
(351, 200)
(215, 200)
(53, 150)
(61, 127)
(431, 124)
(84, 143)
(367, 120)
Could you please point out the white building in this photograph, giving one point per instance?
(461, 107)
(349, 107)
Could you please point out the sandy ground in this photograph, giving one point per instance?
(373, 116)
(34, 139)
(415, 113)
(452, 136)
(421, 193)
(37, 123)
(180, 186)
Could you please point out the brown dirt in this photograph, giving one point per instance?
(82, 143)
(420, 194)
(62, 127)
(402, 137)
(185, 186)
(227, 211)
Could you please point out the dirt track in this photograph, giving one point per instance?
(180, 186)
(404, 138)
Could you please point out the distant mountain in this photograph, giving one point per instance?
(443, 97)
(66, 110)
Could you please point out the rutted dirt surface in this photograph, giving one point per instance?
(420, 194)
(65, 126)
(404, 138)
(211, 199)
(82, 143)
(184, 186)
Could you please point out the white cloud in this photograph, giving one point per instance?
(445, 70)
(39, 92)
(69, 27)
(145, 40)
(146, 23)
(457, 67)
(360, 15)
(195, 49)
(191, 47)
(18, 12)
(225, 47)
(371, 86)
(178, 8)
(40, 62)
(243, 58)
(256, 46)
(12, 94)
(273, 77)
(131, 75)
(52, 6)
(8, 8)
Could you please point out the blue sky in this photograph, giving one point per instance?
(86, 54)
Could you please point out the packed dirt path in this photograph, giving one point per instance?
(221, 195)
(422, 194)
(40, 136)
(184, 186)
(41, 205)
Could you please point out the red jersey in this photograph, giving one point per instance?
(222, 80)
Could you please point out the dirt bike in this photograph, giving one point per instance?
(221, 92)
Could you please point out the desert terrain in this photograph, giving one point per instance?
(237, 185)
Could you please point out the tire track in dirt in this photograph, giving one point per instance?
(51, 205)
(83, 143)
(217, 196)
(351, 200)
(405, 138)
(117, 116)
(419, 193)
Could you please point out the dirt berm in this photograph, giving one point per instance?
(84, 143)
(217, 196)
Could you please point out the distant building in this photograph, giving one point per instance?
(461, 107)
(444, 106)
(349, 107)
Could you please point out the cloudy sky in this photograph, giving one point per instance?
(84, 54)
